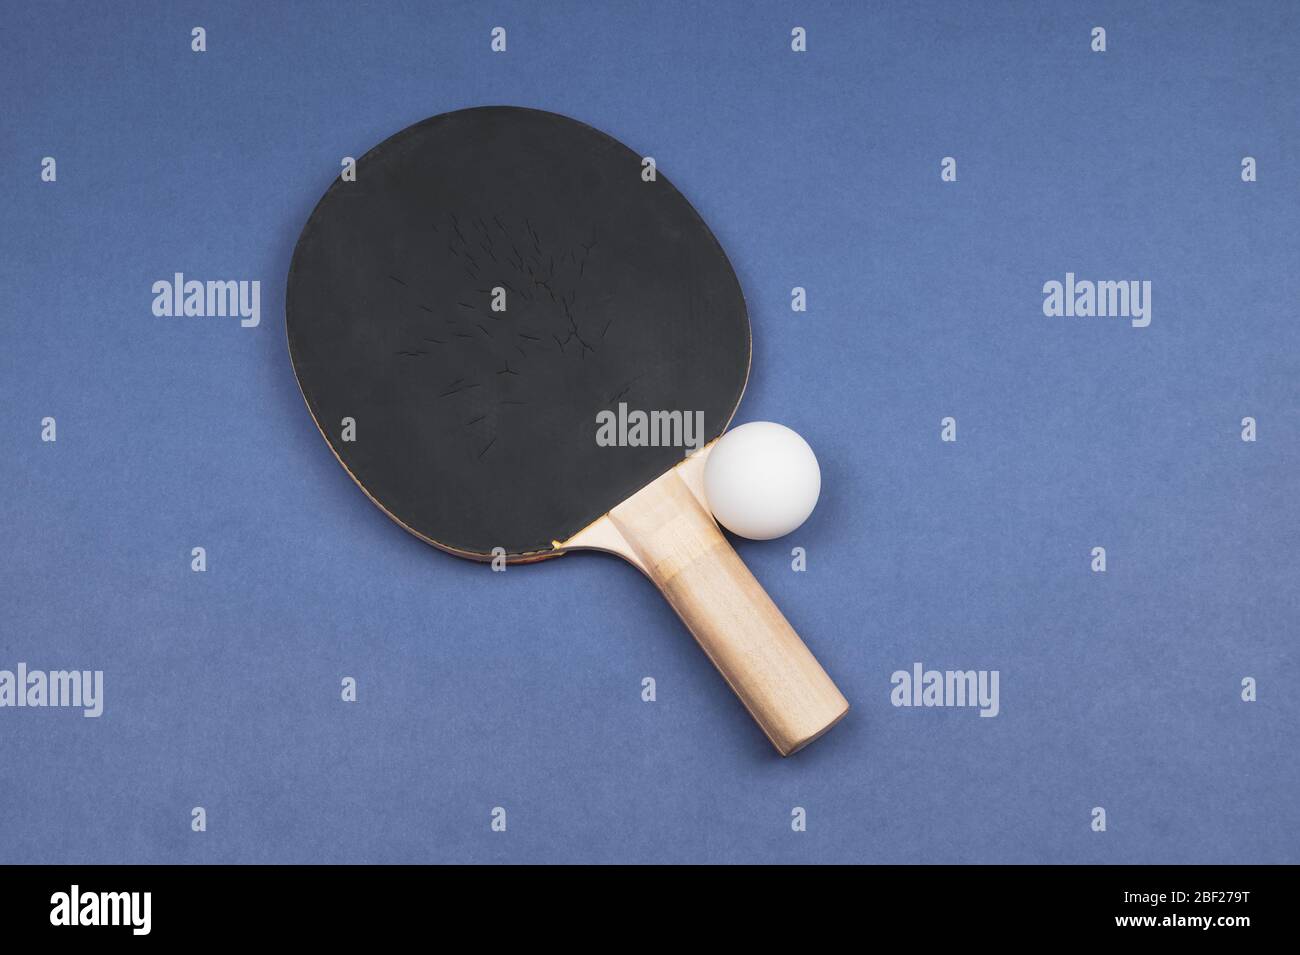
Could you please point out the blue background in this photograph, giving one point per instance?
(521, 689)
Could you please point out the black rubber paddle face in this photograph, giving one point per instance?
(476, 427)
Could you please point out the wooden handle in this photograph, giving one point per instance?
(665, 530)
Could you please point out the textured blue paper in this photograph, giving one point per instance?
(521, 690)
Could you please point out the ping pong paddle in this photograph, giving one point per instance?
(460, 313)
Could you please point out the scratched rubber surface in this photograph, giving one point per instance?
(476, 426)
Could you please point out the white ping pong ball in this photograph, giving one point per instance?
(762, 480)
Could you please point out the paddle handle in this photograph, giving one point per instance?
(674, 540)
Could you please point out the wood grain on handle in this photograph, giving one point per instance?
(665, 530)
